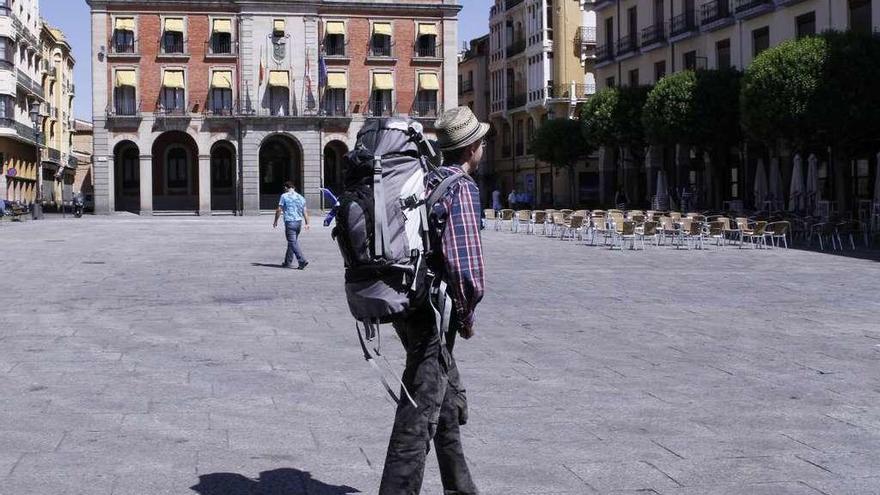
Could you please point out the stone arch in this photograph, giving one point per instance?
(333, 172)
(175, 172)
(223, 175)
(127, 176)
(280, 160)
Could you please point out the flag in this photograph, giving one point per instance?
(310, 96)
(322, 72)
(262, 70)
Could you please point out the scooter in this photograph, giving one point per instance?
(78, 206)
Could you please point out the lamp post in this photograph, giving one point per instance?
(38, 202)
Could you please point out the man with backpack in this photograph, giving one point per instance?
(293, 207)
(438, 405)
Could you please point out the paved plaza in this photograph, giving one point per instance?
(172, 356)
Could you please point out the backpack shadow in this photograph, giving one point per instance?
(283, 481)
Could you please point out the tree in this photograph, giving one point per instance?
(561, 143)
(781, 89)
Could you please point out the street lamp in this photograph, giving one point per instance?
(38, 202)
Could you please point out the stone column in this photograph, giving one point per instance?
(146, 184)
(204, 185)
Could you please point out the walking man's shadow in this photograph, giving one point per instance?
(284, 481)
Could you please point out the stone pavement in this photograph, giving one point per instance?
(168, 356)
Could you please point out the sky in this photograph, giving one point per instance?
(72, 17)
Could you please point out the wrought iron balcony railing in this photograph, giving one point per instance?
(604, 53)
(683, 23)
(654, 34)
(626, 44)
(516, 47)
(715, 10)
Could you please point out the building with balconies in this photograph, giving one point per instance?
(473, 92)
(21, 67)
(541, 54)
(210, 107)
(58, 164)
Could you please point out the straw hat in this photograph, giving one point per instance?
(459, 127)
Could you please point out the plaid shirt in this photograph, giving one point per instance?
(457, 216)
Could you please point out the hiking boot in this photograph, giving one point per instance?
(303, 265)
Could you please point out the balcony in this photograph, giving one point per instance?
(516, 101)
(653, 36)
(381, 51)
(601, 4)
(509, 4)
(221, 111)
(123, 49)
(52, 155)
(604, 54)
(587, 35)
(338, 108)
(221, 48)
(172, 112)
(426, 52)
(746, 9)
(335, 50)
(568, 92)
(516, 47)
(683, 25)
(379, 108)
(22, 130)
(29, 84)
(466, 87)
(124, 109)
(626, 45)
(173, 48)
(715, 14)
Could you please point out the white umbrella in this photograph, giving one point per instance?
(877, 182)
(760, 185)
(796, 191)
(812, 182)
(775, 180)
(662, 193)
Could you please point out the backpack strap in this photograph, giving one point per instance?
(428, 205)
(380, 217)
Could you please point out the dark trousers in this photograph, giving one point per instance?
(432, 379)
(291, 231)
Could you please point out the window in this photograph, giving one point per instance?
(659, 70)
(172, 37)
(760, 40)
(505, 141)
(7, 107)
(7, 51)
(426, 98)
(860, 16)
(382, 96)
(220, 97)
(221, 168)
(172, 99)
(123, 35)
(334, 39)
(426, 44)
(221, 37)
(519, 138)
(722, 54)
(334, 94)
(634, 77)
(690, 60)
(177, 168)
(609, 34)
(530, 133)
(279, 101)
(609, 82)
(805, 25)
(380, 42)
(125, 93)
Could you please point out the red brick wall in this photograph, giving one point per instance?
(198, 70)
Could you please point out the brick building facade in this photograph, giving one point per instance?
(210, 105)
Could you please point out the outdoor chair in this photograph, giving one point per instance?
(597, 227)
(572, 227)
(675, 216)
(506, 216)
(778, 231)
(716, 232)
(648, 230)
(557, 222)
(756, 235)
(683, 232)
(742, 226)
(522, 218)
(626, 232)
(490, 216)
(851, 229)
(666, 229)
(824, 232)
(539, 218)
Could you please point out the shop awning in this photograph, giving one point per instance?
(337, 80)
(173, 79)
(125, 24)
(126, 78)
(383, 81)
(223, 26)
(279, 79)
(279, 25)
(383, 28)
(427, 30)
(222, 79)
(173, 25)
(429, 82)
(335, 27)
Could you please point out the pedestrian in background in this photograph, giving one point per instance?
(496, 200)
(293, 207)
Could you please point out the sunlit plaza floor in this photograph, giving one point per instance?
(173, 356)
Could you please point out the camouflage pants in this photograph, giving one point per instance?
(431, 377)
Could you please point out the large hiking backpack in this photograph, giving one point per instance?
(382, 227)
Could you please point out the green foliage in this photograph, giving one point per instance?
(698, 108)
(781, 88)
(613, 117)
(560, 142)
